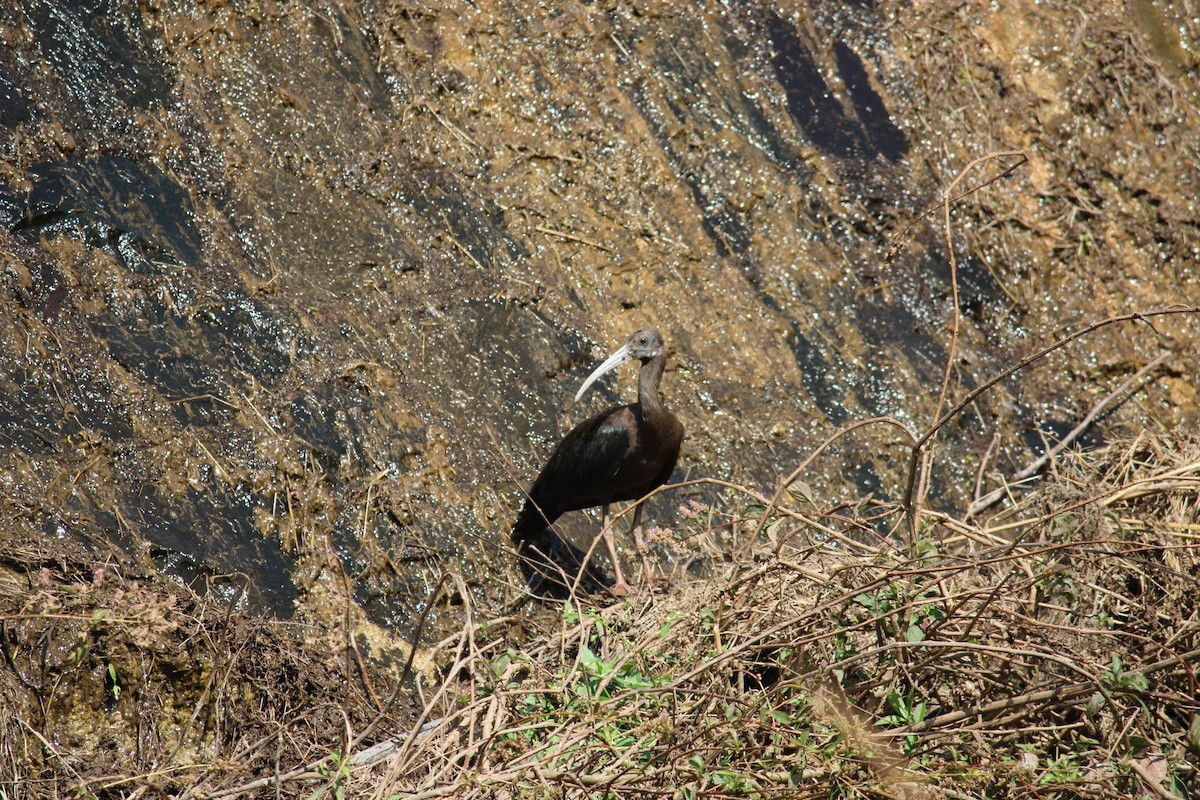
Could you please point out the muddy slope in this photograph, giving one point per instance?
(292, 289)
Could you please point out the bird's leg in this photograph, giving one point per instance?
(639, 544)
(620, 588)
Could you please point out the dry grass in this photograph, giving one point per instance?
(119, 684)
(1046, 653)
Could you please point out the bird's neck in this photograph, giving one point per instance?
(648, 379)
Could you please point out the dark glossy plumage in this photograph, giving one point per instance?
(619, 454)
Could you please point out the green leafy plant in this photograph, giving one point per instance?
(1066, 768)
(113, 682)
(335, 768)
(1115, 677)
(905, 712)
(611, 676)
(921, 619)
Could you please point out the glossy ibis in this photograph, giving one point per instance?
(619, 454)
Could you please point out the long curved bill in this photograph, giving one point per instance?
(619, 357)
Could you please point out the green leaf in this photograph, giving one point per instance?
(592, 664)
(782, 717)
(1136, 681)
(801, 492)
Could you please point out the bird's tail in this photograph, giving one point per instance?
(549, 562)
(529, 525)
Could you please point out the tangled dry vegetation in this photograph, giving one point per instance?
(1047, 653)
(117, 683)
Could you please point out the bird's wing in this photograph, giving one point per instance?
(586, 459)
(668, 467)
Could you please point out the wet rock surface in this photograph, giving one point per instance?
(295, 290)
